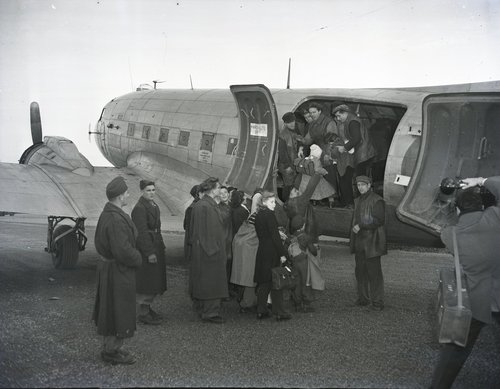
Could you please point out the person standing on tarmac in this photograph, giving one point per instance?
(151, 277)
(368, 244)
(114, 308)
(207, 277)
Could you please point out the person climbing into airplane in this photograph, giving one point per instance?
(151, 277)
(287, 152)
(355, 155)
(299, 201)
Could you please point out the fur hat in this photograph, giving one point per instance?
(116, 187)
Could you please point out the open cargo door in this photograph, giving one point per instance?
(258, 134)
(460, 139)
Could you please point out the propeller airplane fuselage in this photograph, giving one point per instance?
(178, 138)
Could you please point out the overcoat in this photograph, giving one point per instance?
(245, 244)
(270, 246)
(187, 220)
(115, 240)
(478, 240)
(151, 277)
(207, 276)
(227, 225)
(369, 214)
(238, 216)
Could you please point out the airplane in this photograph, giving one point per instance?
(178, 138)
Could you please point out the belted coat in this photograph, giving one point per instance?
(207, 276)
(151, 277)
(115, 240)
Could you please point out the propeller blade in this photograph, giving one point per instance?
(36, 123)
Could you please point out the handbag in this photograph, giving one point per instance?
(453, 305)
(283, 277)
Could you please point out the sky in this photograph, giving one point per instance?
(75, 56)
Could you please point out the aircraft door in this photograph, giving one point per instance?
(460, 139)
(254, 157)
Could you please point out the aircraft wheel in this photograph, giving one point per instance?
(66, 250)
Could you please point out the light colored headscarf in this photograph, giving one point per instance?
(255, 202)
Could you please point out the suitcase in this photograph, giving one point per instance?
(453, 320)
(453, 305)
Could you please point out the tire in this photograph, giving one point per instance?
(66, 250)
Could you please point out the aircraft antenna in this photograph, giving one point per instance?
(288, 79)
(191, 80)
(157, 82)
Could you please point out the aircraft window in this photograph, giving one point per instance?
(183, 138)
(232, 143)
(163, 135)
(131, 129)
(145, 132)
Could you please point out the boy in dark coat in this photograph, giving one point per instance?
(151, 277)
(368, 244)
(114, 309)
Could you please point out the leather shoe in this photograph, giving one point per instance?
(264, 315)
(214, 319)
(149, 319)
(118, 357)
(286, 316)
(155, 315)
(361, 303)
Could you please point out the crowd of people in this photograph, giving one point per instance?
(233, 242)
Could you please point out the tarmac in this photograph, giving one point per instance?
(47, 338)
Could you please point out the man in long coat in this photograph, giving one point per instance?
(368, 244)
(114, 309)
(477, 233)
(208, 278)
(151, 277)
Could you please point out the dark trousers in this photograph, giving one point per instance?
(302, 294)
(345, 185)
(369, 279)
(452, 358)
(276, 297)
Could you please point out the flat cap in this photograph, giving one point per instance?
(144, 183)
(341, 107)
(116, 187)
(288, 117)
(365, 179)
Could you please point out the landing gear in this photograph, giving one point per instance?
(65, 242)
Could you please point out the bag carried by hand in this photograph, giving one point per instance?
(453, 306)
(283, 277)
